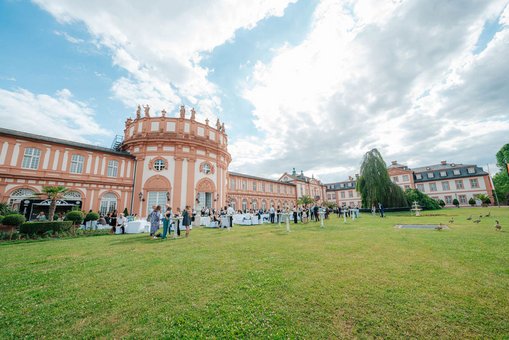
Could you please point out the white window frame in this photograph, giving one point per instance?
(77, 163)
(159, 165)
(112, 168)
(31, 158)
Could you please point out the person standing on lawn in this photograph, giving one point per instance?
(155, 218)
(166, 221)
(186, 219)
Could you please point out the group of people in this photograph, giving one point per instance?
(169, 218)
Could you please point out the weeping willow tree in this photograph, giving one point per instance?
(375, 185)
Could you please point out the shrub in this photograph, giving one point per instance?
(471, 201)
(1, 219)
(6, 210)
(486, 201)
(13, 220)
(442, 203)
(456, 202)
(92, 216)
(75, 216)
(40, 228)
(426, 202)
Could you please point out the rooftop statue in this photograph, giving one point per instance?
(182, 111)
(218, 124)
(147, 110)
(138, 112)
(163, 113)
(128, 121)
(193, 114)
(222, 127)
(207, 121)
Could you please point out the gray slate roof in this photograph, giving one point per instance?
(41, 138)
(258, 178)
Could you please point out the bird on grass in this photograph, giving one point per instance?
(477, 221)
(439, 227)
(451, 220)
(469, 218)
(488, 215)
(480, 216)
(498, 226)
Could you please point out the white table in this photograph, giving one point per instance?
(136, 227)
(205, 221)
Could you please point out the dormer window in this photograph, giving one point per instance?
(443, 173)
(418, 176)
(471, 170)
(431, 175)
(456, 171)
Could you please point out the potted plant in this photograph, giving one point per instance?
(91, 217)
(76, 217)
(456, 203)
(13, 221)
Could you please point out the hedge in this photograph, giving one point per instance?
(74, 216)
(31, 228)
(13, 220)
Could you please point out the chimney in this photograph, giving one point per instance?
(443, 162)
(394, 162)
(356, 176)
(350, 178)
(293, 172)
(301, 173)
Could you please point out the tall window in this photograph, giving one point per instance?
(459, 184)
(155, 198)
(420, 187)
(405, 178)
(431, 175)
(271, 187)
(112, 168)
(445, 186)
(263, 187)
(77, 164)
(342, 194)
(108, 203)
(463, 199)
(244, 205)
(395, 179)
(474, 183)
(448, 200)
(232, 184)
(31, 158)
(254, 185)
(244, 185)
(432, 187)
(350, 194)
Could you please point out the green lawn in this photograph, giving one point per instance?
(362, 279)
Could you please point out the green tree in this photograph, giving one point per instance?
(53, 193)
(501, 182)
(375, 185)
(424, 200)
(456, 202)
(305, 200)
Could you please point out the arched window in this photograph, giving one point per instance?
(108, 203)
(264, 205)
(244, 205)
(75, 195)
(19, 195)
(254, 205)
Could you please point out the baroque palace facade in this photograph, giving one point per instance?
(160, 160)
(180, 161)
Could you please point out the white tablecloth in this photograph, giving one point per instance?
(245, 219)
(136, 227)
(205, 220)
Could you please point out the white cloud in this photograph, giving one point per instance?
(58, 116)
(160, 43)
(397, 75)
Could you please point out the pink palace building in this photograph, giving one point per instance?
(180, 161)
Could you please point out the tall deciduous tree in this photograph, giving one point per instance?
(53, 193)
(375, 185)
(501, 179)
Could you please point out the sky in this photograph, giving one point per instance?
(305, 84)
